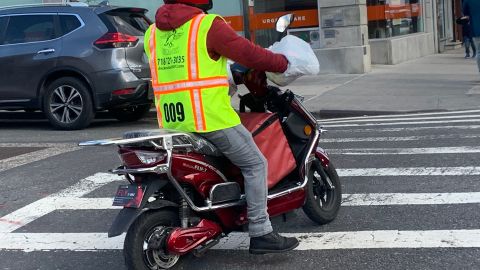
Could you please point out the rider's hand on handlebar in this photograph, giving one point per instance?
(256, 82)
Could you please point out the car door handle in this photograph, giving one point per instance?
(46, 51)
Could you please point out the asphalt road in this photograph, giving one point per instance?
(411, 199)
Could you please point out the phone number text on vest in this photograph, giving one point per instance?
(172, 62)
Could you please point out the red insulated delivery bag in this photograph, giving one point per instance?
(268, 134)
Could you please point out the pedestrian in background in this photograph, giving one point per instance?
(467, 36)
(471, 9)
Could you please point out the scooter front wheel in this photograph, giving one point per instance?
(144, 243)
(324, 193)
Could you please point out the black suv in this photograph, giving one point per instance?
(72, 61)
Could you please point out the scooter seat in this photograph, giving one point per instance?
(200, 144)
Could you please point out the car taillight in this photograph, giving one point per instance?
(116, 40)
(123, 92)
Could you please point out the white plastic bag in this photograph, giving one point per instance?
(302, 60)
(233, 88)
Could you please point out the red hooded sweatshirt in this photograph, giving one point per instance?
(222, 40)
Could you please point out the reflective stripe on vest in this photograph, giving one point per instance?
(193, 74)
(191, 83)
(186, 85)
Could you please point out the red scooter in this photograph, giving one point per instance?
(183, 196)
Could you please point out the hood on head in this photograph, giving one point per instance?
(172, 16)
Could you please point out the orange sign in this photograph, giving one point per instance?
(261, 21)
(309, 18)
(389, 12)
(236, 22)
(303, 18)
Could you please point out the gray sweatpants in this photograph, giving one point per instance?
(238, 146)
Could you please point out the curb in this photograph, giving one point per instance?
(329, 114)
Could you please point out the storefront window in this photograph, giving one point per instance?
(441, 17)
(262, 18)
(267, 11)
(390, 18)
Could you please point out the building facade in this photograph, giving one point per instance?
(348, 36)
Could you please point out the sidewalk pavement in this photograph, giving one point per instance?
(439, 82)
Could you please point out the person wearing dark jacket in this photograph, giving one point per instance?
(467, 37)
(471, 9)
(216, 42)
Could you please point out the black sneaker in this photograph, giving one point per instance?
(272, 243)
(467, 56)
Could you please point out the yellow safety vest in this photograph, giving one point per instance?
(191, 89)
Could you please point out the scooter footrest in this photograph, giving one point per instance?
(226, 192)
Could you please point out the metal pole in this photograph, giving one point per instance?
(320, 24)
(246, 21)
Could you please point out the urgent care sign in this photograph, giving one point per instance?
(261, 21)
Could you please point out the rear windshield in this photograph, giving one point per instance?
(131, 23)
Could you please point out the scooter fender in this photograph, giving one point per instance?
(127, 216)
(322, 156)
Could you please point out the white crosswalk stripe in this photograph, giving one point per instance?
(370, 124)
(348, 200)
(405, 151)
(413, 171)
(394, 116)
(402, 119)
(31, 212)
(52, 149)
(240, 241)
(409, 129)
(400, 139)
(442, 131)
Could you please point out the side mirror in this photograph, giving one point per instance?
(284, 22)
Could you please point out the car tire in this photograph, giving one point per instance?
(131, 114)
(67, 104)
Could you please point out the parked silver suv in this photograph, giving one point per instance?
(72, 61)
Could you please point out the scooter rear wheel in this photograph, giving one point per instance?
(324, 194)
(149, 229)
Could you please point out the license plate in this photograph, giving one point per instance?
(129, 196)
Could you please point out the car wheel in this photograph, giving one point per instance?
(130, 114)
(68, 104)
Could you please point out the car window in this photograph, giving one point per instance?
(69, 23)
(29, 28)
(130, 23)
